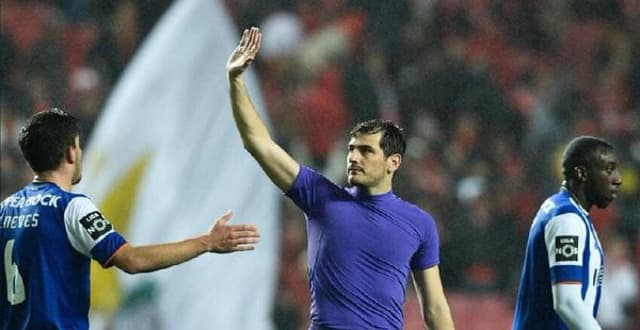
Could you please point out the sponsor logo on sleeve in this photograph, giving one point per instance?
(95, 224)
(566, 248)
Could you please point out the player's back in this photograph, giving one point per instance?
(45, 282)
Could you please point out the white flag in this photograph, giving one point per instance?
(165, 161)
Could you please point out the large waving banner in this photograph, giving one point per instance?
(163, 163)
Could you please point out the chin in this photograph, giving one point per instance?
(76, 181)
(353, 182)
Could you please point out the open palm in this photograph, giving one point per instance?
(245, 52)
(224, 238)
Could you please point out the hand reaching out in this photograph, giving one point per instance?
(245, 53)
(223, 238)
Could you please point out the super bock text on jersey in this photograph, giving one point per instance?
(48, 237)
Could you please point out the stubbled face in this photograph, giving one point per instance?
(366, 163)
(77, 171)
(604, 179)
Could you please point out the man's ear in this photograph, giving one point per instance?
(393, 163)
(580, 173)
(71, 155)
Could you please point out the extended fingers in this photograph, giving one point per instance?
(244, 240)
(243, 227)
(243, 243)
(245, 39)
(243, 248)
(254, 38)
(241, 234)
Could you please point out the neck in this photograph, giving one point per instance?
(375, 191)
(63, 181)
(380, 189)
(577, 193)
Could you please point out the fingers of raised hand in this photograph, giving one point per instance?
(255, 39)
(250, 42)
(245, 39)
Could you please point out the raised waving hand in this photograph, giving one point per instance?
(245, 53)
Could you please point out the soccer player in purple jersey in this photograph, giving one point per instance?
(561, 281)
(363, 241)
(48, 235)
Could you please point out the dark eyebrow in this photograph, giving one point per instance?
(361, 147)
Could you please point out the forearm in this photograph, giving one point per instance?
(569, 306)
(438, 317)
(148, 258)
(434, 305)
(252, 129)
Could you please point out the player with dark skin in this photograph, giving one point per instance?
(564, 263)
(596, 183)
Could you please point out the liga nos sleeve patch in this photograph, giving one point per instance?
(95, 224)
(566, 248)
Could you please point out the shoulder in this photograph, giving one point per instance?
(48, 196)
(564, 213)
(560, 203)
(308, 177)
(567, 223)
(79, 206)
(555, 206)
(308, 172)
(415, 212)
(59, 193)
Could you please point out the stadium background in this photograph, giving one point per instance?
(488, 92)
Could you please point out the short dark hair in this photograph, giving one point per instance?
(45, 137)
(392, 140)
(580, 152)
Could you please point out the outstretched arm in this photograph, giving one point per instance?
(277, 164)
(435, 309)
(222, 238)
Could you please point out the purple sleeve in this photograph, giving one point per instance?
(309, 189)
(428, 254)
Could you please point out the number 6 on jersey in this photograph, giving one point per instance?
(15, 285)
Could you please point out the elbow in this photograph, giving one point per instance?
(129, 262)
(256, 145)
(130, 266)
(251, 148)
(130, 270)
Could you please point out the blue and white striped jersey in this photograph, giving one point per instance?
(47, 239)
(562, 247)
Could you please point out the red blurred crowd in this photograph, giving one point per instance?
(488, 93)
